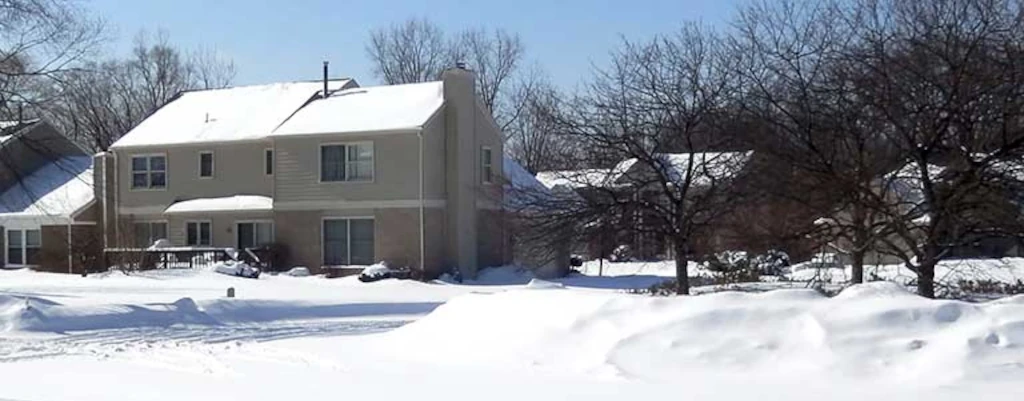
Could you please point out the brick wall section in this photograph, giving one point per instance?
(396, 236)
(86, 248)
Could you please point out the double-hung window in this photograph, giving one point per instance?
(147, 233)
(351, 162)
(206, 164)
(198, 233)
(254, 234)
(486, 165)
(23, 247)
(149, 172)
(348, 242)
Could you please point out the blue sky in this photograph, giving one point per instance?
(287, 40)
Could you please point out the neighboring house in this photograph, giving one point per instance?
(47, 211)
(904, 191)
(406, 174)
(623, 178)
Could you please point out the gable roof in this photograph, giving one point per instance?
(367, 109)
(224, 115)
(57, 190)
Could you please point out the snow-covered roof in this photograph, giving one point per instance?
(907, 184)
(252, 203)
(9, 129)
(58, 189)
(522, 187)
(15, 123)
(707, 166)
(223, 115)
(367, 109)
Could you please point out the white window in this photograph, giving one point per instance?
(348, 242)
(146, 233)
(198, 233)
(23, 247)
(346, 162)
(149, 172)
(206, 164)
(486, 165)
(254, 234)
(268, 161)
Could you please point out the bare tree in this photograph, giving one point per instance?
(495, 59)
(413, 51)
(797, 85)
(211, 70)
(418, 51)
(646, 126)
(945, 81)
(531, 137)
(100, 101)
(39, 39)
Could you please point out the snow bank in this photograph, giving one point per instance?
(40, 315)
(875, 331)
(300, 271)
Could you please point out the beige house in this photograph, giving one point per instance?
(406, 174)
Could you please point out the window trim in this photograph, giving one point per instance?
(148, 188)
(213, 165)
(167, 227)
(323, 224)
(199, 237)
(24, 246)
(320, 162)
(273, 229)
(268, 168)
(488, 163)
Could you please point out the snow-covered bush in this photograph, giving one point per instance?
(239, 269)
(381, 271)
(621, 253)
(772, 263)
(728, 261)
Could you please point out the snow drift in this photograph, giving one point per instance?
(873, 331)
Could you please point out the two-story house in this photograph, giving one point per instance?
(48, 217)
(339, 175)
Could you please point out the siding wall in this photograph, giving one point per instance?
(238, 169)
(396, 169)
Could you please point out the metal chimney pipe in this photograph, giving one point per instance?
(325, 79)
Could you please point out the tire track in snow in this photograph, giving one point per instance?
(110, 343)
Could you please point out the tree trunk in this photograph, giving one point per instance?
(926, 279)
(682, 275)
(859, 244)
(857, 266)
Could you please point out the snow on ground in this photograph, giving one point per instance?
(172, 335)
(1005, 270)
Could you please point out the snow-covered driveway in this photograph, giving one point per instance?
(114, 342)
